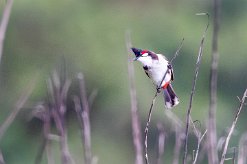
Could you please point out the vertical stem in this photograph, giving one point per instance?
(198, 62)
(136, 128)
(212, 136)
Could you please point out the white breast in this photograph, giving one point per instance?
(156, 69)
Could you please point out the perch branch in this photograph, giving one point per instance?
(152, 104)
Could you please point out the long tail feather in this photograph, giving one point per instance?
(170, 97)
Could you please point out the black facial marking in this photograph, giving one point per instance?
(136, 51)
(145, 68)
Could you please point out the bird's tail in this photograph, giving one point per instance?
(170, 97)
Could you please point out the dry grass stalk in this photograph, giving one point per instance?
(212, 136)
(193, 91)
(4, 24)
(242, 101)
(136, 127)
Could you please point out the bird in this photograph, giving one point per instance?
(156, 66)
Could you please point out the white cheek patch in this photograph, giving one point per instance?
(145, 55)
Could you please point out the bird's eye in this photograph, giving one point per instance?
(145, 55)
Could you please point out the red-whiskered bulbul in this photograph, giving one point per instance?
(155, 67)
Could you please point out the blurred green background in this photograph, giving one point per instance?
(89, 35)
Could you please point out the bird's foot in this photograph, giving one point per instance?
(158, 89)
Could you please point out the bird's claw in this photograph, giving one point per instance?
(158, 89)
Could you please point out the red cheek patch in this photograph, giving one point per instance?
(144, 51)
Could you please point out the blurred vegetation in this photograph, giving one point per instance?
(88, 36)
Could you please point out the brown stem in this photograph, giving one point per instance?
(136, 127)
(212, 136)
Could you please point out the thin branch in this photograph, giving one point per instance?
(147, 126)
(178, 50)
(199, 140)
(18, 106)
(212, 136)
(232, 127)
(136, 127)
(193, 91)
(4, 24)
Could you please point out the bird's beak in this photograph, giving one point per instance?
(135, 59)
(137, 53)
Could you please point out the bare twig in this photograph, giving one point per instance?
(18, 106)
(212, 137)
(232, 127)
(178, 50)
(242, 149)
(147, 127)
(199, 140)
(151, 107)
(136, 127)
(161, 142)
(193, 91)
(4, 24)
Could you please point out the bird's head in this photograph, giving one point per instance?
(146, 57)
(139, 53)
